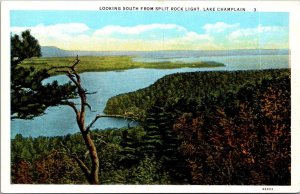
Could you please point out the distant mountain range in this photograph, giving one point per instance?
(51, 51)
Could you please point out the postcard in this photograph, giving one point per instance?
(150, 96)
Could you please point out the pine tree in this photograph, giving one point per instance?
(161, 141)
(29, 97)
(131, 146)
(153, 143)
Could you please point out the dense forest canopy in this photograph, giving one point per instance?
(191, 86)
(210, 128)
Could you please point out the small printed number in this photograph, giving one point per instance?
(267, 189)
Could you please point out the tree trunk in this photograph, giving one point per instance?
(92, 173)
(94, 178)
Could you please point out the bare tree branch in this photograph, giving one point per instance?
(62, 71)
(99, 139)
(83, 167)
(76, 62)
(108, 116)
(74, 71)
(71, 76)
(87, 104)
(66, 148)
(58, 67)
(80, 163)
(72, 66)
(90, 92)
(77, 76)
(70, 104)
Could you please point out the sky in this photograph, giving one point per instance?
(146, 31)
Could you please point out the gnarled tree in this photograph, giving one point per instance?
(92, 173)
(29, 97)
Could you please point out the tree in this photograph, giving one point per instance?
(91, 174)
(21, 172)
(29, 97)
(131, 144)
(162, 142)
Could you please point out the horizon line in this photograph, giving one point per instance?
(169, 50)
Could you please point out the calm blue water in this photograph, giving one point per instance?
(61, 120)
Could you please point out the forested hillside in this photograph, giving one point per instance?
(231, 127)
(192, 86)
(211, 128)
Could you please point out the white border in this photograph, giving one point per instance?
(293, 7)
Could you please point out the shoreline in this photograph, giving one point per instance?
(111, 63)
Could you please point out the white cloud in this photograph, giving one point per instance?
(152, 37)
(135, 30)
(219, 27)
(254, 32)
(192, 36)
(220, 35)
(70, 28)
(262, 29)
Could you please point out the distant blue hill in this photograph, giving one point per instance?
(51, 51)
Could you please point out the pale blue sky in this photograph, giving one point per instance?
(136, 30)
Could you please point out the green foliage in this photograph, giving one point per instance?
(29, 97)
(24, 48)
(235, 134)
(131, 146)
(229, 126)
(110, 63)
(48, 164)
(149, 172)
(161, 142)
(192, 86)
(57, 168)
(240, 138)
(39, 158)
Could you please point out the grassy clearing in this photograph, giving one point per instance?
(110, 63)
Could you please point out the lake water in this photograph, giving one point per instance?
(61, 120)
